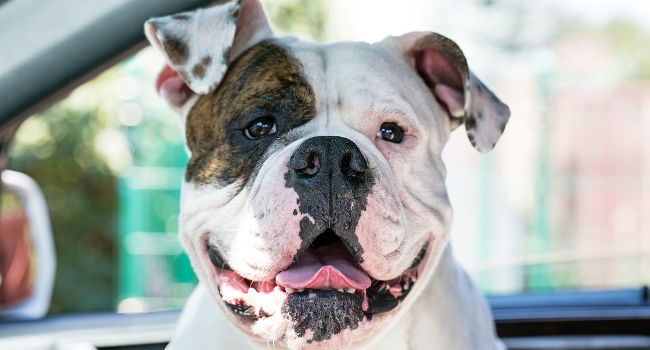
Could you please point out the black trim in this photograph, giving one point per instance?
(159, 346)
(617, 312)
(555, 327)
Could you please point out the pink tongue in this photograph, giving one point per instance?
(328, 267)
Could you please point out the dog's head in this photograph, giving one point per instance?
(314, 206)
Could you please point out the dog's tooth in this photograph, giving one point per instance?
(289, 290)
(301, 289)
(350, 290)
(251, 290)
(340, 290)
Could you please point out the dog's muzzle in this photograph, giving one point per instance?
(325, 289)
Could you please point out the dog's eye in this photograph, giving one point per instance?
(391, 132)
(260, 127)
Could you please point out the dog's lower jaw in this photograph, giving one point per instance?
(449, 313)
(318, 317)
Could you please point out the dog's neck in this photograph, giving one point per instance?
(450, 312)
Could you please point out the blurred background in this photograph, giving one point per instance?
(562, 203)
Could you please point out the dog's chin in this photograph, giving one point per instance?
(319, 315)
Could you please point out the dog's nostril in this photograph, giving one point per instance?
(313, 164)
(305, 163)
(353, 165)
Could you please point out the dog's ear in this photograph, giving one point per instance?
(443, 67)
(198, 45)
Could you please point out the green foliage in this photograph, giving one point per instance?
(57, 150)
(9, 202)
(632, 46)
(298, 17)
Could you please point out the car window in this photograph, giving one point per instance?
(109, 160)
(560, 204)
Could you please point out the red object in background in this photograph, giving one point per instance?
(15, 270)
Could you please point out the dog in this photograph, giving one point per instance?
(313, 206)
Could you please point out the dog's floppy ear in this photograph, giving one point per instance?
(198, 45)
(443, 67)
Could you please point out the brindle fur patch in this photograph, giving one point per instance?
(181, 17)
(198, 70)
(176, 49)
(263, 81)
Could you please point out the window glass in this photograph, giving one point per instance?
(109, 159)
(561, 203)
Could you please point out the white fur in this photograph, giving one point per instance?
(407, 206)
(357, 87)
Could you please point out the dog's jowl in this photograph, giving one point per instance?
(313, 206)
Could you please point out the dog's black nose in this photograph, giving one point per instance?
(333, 181)
(328, 157)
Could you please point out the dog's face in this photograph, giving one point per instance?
(314, 207)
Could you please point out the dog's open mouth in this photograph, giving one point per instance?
(325, 278)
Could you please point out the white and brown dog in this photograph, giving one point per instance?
(314, 207)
